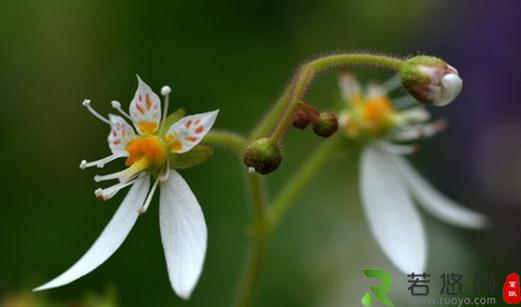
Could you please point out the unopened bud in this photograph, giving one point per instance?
(326, 124)
(430, 80)
(262, 156)
(300, 119)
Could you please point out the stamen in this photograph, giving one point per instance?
(404, 102)
(117, 105)
(101, 162)
(416, 132)
(397, 149)
(415, 115)
(349, 86)
(393, 83)
(251, 170)
(86, 103)
(166, 174)
(165, 91)
(126, 174)
(117, 175)
(108, 193)
(150, 195)
(136, 168)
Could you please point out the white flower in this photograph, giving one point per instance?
(389, 185)
(148, 153)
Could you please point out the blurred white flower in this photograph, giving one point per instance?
(388, 183)
(148, 154)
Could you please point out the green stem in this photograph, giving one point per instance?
(295, 184)
(307, 72)
(270, 120)
(226, 139)
(264, 220)
(259, 245)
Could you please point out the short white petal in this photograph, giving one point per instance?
(349, 86)
(110, 239)
(183, 233)
(190, 130)
(436, 203)
(145, 109)
(120, 134)
(392, 217)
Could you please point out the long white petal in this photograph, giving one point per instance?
(110, 239)
(392, 217)
(436, 203)
(183, 233)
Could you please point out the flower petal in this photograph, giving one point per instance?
(145, 109)
(110, 239)
(436, 203)
(120, 134)
(349, 87)
(183, 233)
(451, 85)
(189, 131)
(392, 217)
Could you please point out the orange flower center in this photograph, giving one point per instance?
(151, 147)
(377, 112)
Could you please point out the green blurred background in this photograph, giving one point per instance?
(237, 56)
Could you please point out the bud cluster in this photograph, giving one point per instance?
(325, 124)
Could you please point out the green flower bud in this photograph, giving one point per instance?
(262, 156)
(430, 80)
(326, 124)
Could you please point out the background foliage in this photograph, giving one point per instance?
(237, 56)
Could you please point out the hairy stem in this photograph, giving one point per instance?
(277, 122)
(258, 248)
(307, 72)
(270, 120)
(226, 139)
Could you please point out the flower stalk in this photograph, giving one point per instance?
(258, 249)
(308, 71)
(277, 121)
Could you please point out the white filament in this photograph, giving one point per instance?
(165, 91)
(101, 162)
(108, 193)
(150, 195)
(86, 104)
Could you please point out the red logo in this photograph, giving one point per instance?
(511, 290)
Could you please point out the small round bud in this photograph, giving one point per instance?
(262, 156)
(300, 120)
(326, 124)
(165, 90)
(431, 80)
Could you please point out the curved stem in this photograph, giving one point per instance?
(270, 119)
(264, 220)
(307, 72)
(226, 139)
(295, 184)
(258, 249)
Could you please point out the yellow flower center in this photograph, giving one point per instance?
(151, 147)
(147, 127)
(377, 114)
(369, 117)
